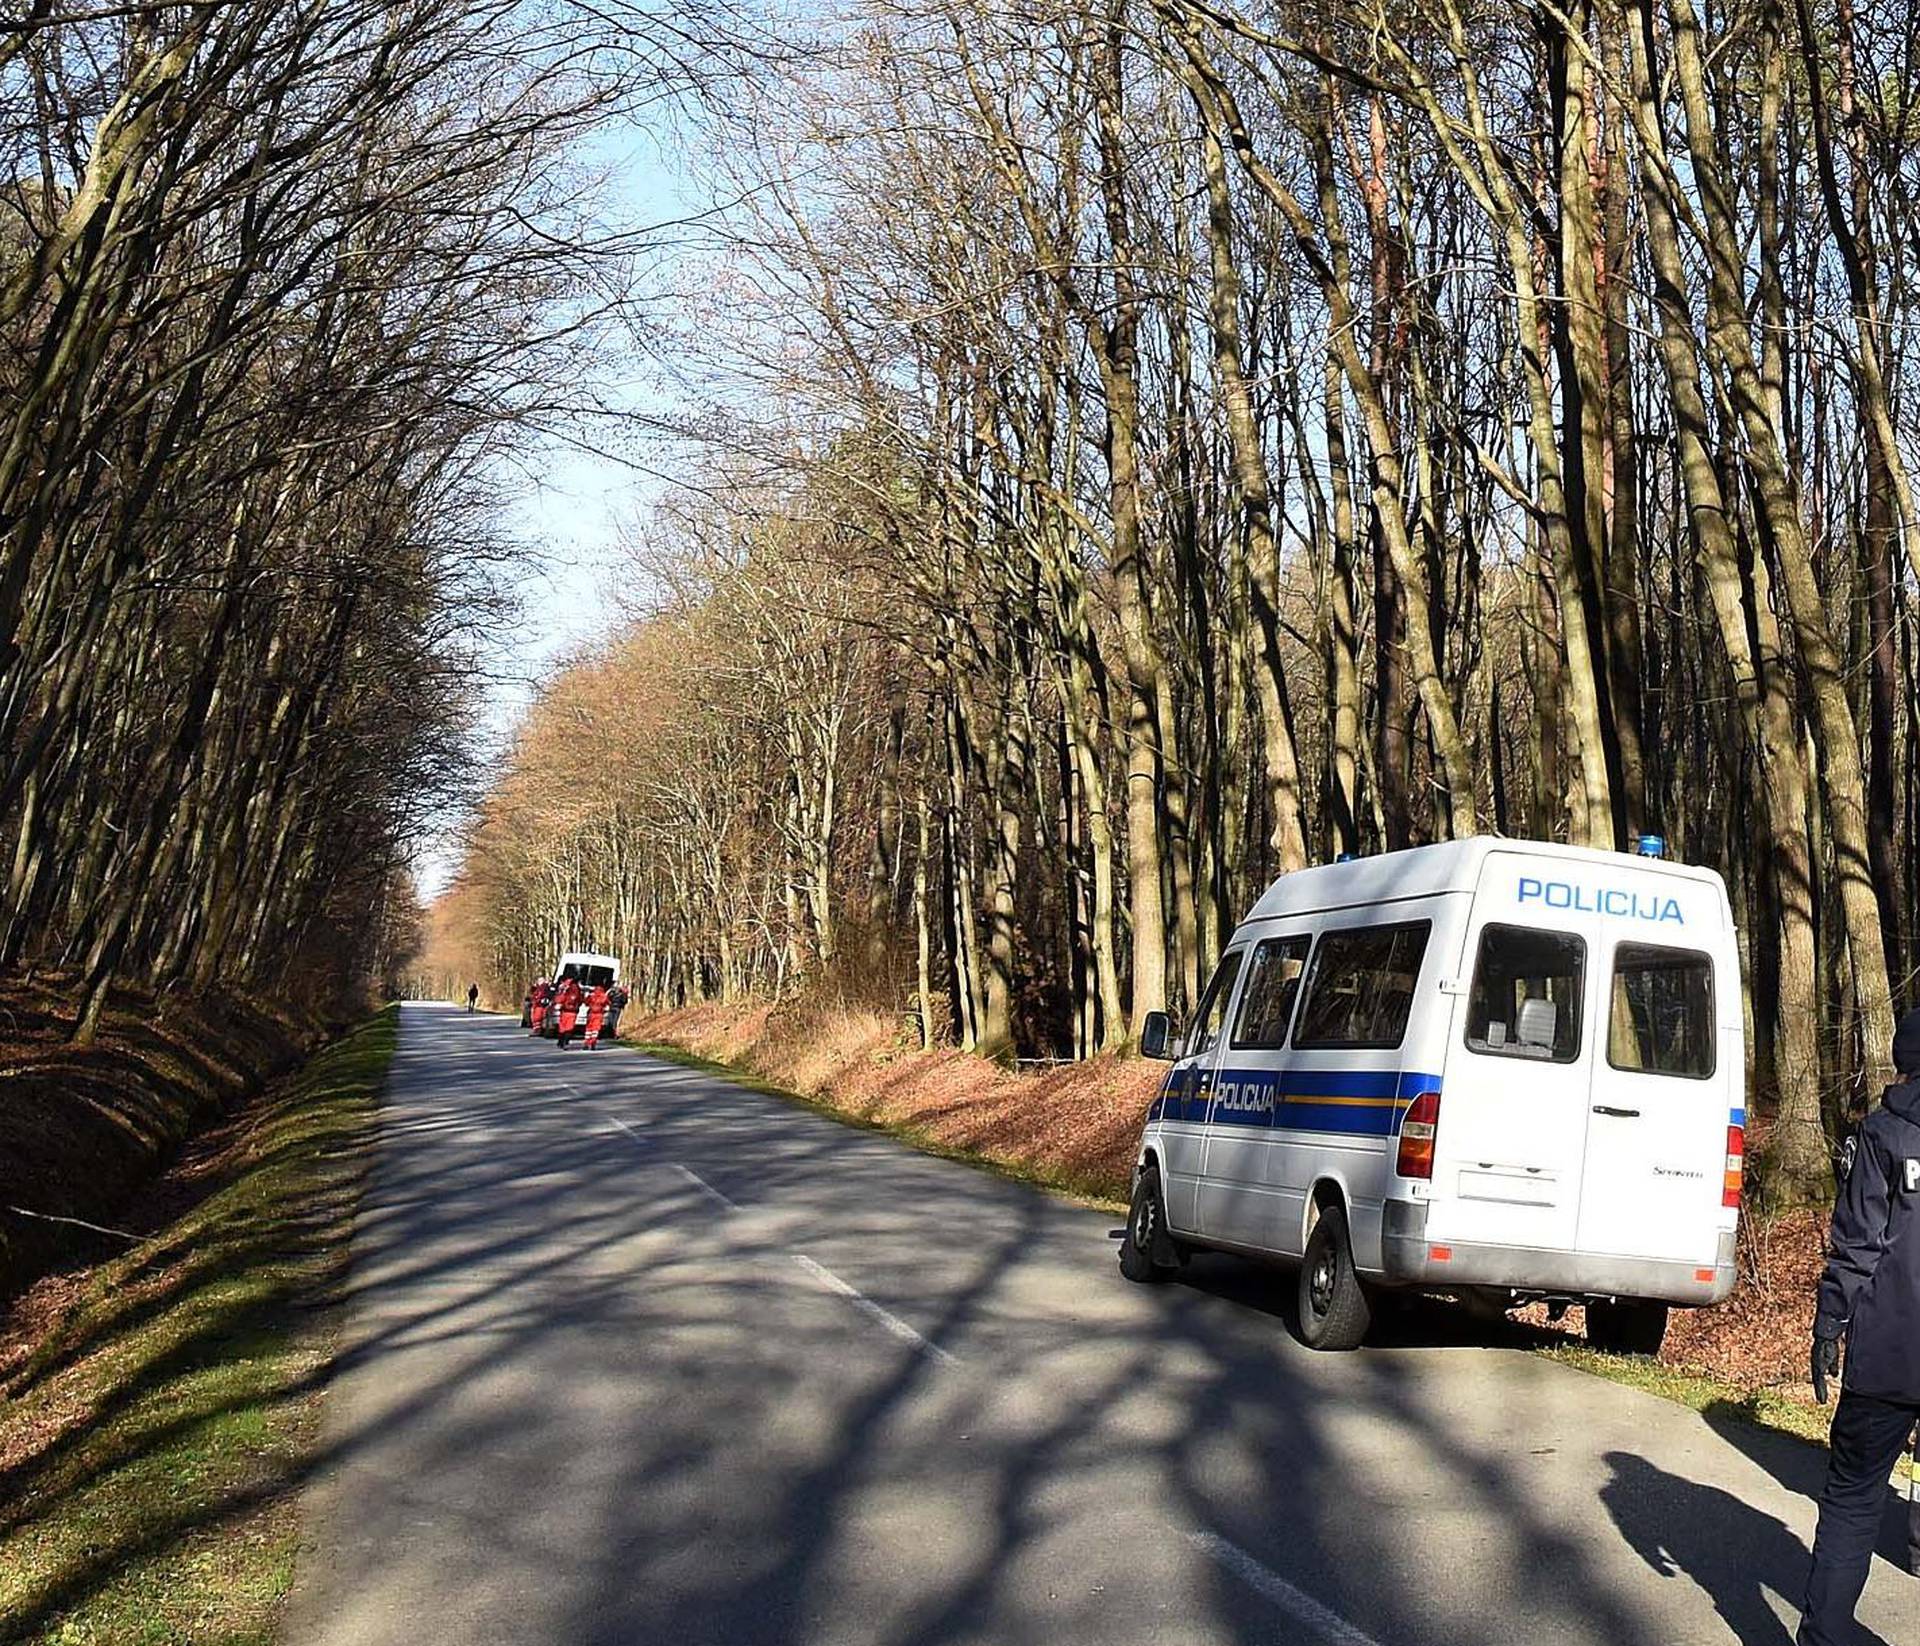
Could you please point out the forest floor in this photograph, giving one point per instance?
(158, 1408)
(1075, 1126)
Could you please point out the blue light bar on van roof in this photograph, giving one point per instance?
(1650, 845)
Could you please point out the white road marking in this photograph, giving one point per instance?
(1329, 1625)
(872, 1310)
(704, 1187)
(615, 1120)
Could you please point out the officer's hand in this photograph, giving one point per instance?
(1826, 1363)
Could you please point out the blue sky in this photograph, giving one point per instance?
(570, 508)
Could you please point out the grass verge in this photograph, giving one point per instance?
(149, 1440)
(1712, 1398)
(1105, 1196)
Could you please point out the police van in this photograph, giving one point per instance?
(1502, 1069)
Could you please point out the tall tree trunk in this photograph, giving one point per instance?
(1779, 504)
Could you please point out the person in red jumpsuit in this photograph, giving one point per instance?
(567, 1001)
(542, 1003)
(596, 1014)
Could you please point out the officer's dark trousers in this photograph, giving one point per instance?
(1868, 1437)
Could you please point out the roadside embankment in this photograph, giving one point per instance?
(157, 1410)
(1072, 1125)
(1077, 1126)
(84, 1127)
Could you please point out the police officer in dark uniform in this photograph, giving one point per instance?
(1870, 1295)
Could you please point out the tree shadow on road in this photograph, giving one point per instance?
(767, 1468)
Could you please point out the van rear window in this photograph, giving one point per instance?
(1660, 1016)
(1527, 989)
(1360, 987)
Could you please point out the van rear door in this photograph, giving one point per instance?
(1671, 1061)
(1513, 1105)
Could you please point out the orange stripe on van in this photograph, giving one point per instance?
(1349, 1102)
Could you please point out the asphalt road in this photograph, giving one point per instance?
(641, 1356)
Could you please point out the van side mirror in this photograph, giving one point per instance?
(1157, 1037)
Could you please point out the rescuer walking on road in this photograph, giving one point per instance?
(567, 1002)
(1870, 1294)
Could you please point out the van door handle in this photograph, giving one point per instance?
(1616, 1114)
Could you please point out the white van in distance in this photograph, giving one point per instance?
(1503, 1069)
(589, 969)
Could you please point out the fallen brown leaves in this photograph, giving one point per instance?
(1072, 1123)
(1758, 1338)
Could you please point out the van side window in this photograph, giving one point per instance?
(1660, 1017)
(1212, 1016)
(1273, 984)
(1360, 987)
(1527, 989)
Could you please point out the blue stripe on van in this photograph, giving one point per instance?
(1737, 1118)
(1362, 1102)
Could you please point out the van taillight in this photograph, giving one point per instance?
(1416, 1136)
(1736, 1161)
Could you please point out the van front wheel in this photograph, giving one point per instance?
(1334, 1310)
(1627, 1328)
(1146, 1232)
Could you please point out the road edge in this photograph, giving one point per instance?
(1081, 1192)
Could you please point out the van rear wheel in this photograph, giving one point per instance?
(1334, 1309)
(1627, 1327)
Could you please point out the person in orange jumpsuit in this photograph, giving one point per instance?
(540, 1004)
(596, 1014)
(567, 1001)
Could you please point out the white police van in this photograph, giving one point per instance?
(1501, 1069)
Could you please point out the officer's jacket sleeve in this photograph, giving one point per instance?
(1858, 1235)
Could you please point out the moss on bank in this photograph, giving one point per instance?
(149, 1439)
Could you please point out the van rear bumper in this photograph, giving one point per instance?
(1409, 1258)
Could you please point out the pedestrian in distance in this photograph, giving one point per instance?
(567, 1001)
(473, 995)
(596, 1014)
(1870, 1297)
(542, 1004)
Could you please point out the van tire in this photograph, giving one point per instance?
(1146, 1231)
(1627, 1327)
(1334, 1309)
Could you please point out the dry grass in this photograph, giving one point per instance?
(1075, 1125)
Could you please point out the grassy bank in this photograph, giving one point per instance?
(1069, 1126)
(155, 1412)
(1105, 1189)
